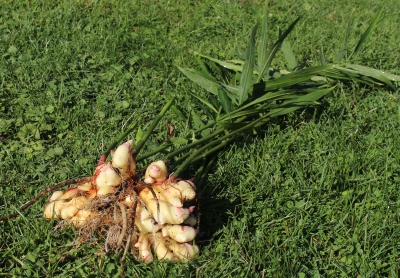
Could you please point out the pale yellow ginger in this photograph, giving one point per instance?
(123, 160)
(56, 195)
(168, 213)
(53, 209)
(80, 218)
(145, 254)
(86, 186)
(173, 193)
(64, 209)
(179, 233)
(184, 251)
(144, 221)
(167, 249)
(106, 179)
(160, 247)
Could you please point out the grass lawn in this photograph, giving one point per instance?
(314, 194)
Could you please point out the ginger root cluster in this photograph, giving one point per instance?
(153, 217)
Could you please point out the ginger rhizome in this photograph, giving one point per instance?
(155, 216)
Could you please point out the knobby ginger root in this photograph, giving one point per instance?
(156, 172)
(152, 217)
(173, 193)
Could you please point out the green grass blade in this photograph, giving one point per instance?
(232, 126)
(178, 113)
(263, 46)
(367, 33)
(246, 78)
(197, 123)
(201, 80)
(288, 53)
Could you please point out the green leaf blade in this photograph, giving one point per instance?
(289, 55)
(274, 50)
(367, 33)
(246, 78)
(263, 46)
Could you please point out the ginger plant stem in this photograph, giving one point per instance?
(139, 145)
(220, 142)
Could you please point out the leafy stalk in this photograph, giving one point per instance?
(262, 93)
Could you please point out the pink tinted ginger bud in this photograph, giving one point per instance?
(156, 172)
(106, 176)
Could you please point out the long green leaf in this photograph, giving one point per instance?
(228, 65)
(232, 126)
(288, 53)
(367, 33)
(282, 111)
(310, 97)
(201, 80)
(360, 77)
(373, 72)
(246, 78)
(224, 100)
(204, 69)
(274, 49)
(207, 103)
(263, 46)
(210, 84)
(296, 77)
(344, 52)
